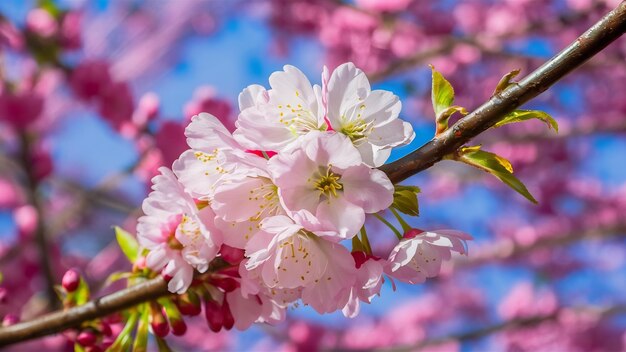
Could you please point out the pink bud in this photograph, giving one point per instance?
(10, 319)
(159, 324)
(147, 109)
(93, 349)
(412, 233)
(70, 30)
(70, 280)
(179, 327)
(41, 22)
(189, 304)
(228, 320)
(3, 295)
(25, 218)
(140, 263)
(90, 78)
(226, 284)
(214, 315)
(105, 329)
(9, 194)
(87, 338)
(20, 109)
(232, 255)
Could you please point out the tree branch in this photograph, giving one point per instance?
(36, 201)
(608, 29)
(61, 320)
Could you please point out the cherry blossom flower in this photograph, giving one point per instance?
(369, 118)
(180, 237)
(419, 255)
(271, 120)
(325, 185)
(200, 168)
(290, 257)
(257, 198)
(369, 280)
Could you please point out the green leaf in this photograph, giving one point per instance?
(141, 337)
(81, 295)
(78, 347)
(442, 92)
(50, 7)
(524, 115)
(505, 81)
(495, 165)
(127, 243)
(405, 199)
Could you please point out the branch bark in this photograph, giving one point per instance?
(607, 30)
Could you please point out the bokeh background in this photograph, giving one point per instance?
(95, 96)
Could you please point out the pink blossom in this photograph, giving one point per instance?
(271, 120)
(116, 104)
(369, 280)
(289, 257)
(170, 140)
(180, 237)
(200, 168)
(41, 22)
(70, 30)
(369, 118)
(205, 100)
(20, 109)
(90, 79)
(325, 185)
(419, 255)
(10, 194)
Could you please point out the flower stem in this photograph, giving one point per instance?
(393, 228)
(405, 227)
(365, 241)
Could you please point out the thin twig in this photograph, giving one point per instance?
(41, 240)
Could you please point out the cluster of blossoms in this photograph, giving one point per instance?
(265, 211)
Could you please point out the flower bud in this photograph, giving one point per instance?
(227, 284)
(3, 295)
(10, 319)
(412, 233)
(179, 327)
(105, 329)
(232, 255)
(213, 314)
(70, 280)
(87, 338)
(189, 303)
(159, 324)
(228, 320)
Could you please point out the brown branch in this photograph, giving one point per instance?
(35, 199)
(58, 321)
(608, 29)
